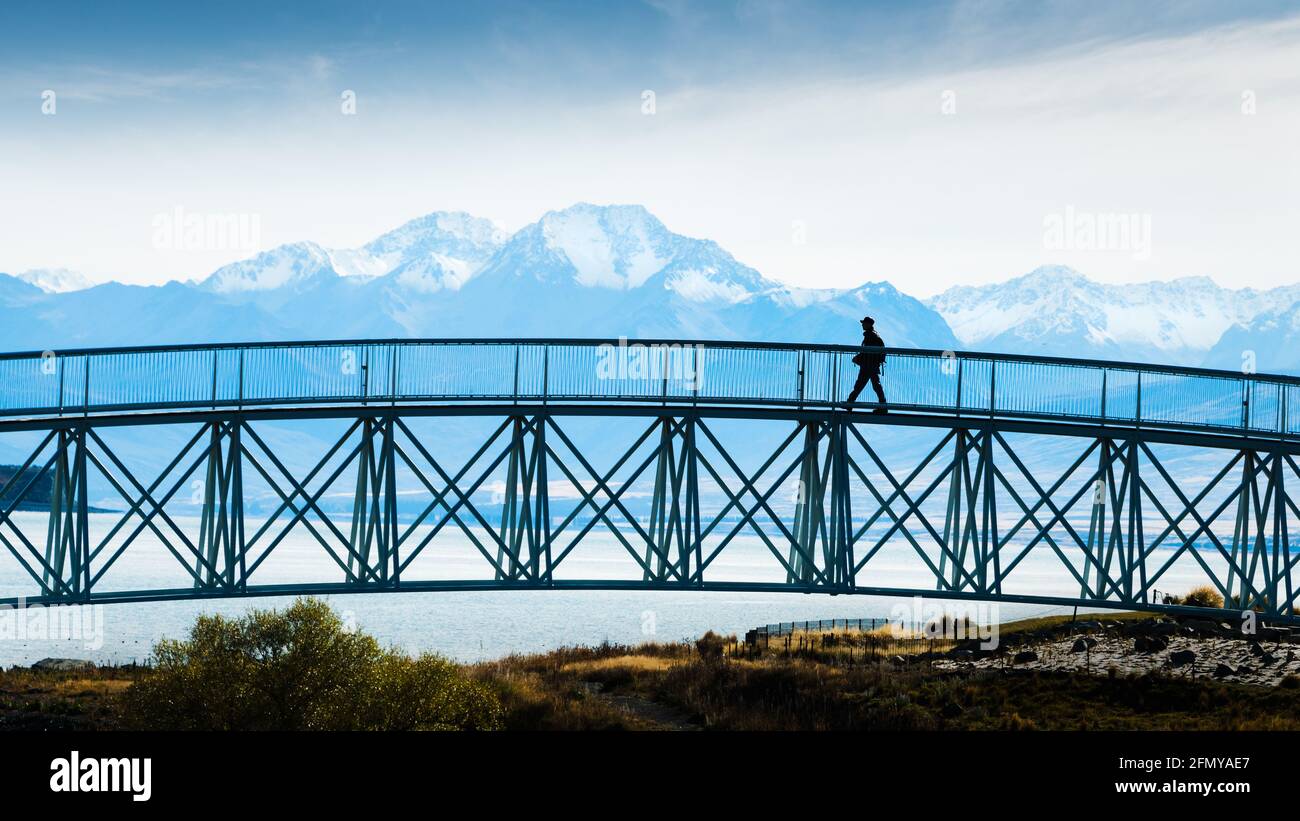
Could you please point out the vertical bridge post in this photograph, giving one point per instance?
(67, 543)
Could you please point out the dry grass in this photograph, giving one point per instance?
(74, 700)
(826, 681)
(1051, 622)
(618, 664)
(106, 687)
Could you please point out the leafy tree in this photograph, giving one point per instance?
(300, 669)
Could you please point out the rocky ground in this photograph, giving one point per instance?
(1188, 649)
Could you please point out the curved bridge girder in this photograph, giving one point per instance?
(823, 500)
(714, 466)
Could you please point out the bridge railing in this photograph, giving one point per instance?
(660, 371)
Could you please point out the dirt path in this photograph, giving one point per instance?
(658, 716)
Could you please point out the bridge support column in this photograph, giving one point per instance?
(668, 510)
(1105, 528)
(957, 522)
(1116, 540)
(67, 543)
(374, 507)
(989, 553)
(673, 549)
(524, 550)
(1135, 564)
(1096, 524)
(1259, 559)
(1115, 537)
(823, 514)
(809, 510)
(691, 559)
(221, 523)
(970, 533)
(1283, 598)
(839, 557)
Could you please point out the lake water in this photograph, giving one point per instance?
(470, 626)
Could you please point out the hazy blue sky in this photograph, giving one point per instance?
(823, 143)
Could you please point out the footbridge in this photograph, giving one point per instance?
(193, 471)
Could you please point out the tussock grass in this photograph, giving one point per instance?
(631, 663)
(1049, 622)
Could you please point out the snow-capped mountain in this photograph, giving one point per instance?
(55, 280)
(617, 270)
(623, 247)
(583, 271)
(606, 271)
(436, 251)
(285, 267)
(1056, 310)
(1269, 343)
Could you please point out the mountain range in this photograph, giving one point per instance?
(607, 271)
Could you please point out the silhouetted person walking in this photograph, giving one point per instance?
(869, 363)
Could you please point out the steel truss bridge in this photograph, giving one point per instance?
(676, 420)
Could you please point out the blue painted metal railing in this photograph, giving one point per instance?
(90, 381)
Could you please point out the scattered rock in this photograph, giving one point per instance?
(62, 665)
(1256, 650)
(1079, 646)
(1223, 671)
(1025, 657)
(1273, 634)
(1182, 657)
(1150, 644)
(1208, 627)
(961, 653)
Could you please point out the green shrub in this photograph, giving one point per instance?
(300, 669)
(1204, 596)
(710, 645)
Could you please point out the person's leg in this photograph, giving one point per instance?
(861, 383)
(875, 385)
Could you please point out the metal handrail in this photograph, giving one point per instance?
(663, 371)
(1116, 364)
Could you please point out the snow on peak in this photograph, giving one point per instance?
(55, 280)
(618, 246)
(438, 250)
(705, 286)
(284, 265)
(449, 232)
(1057, 304)
(624, 248)
(442, 250)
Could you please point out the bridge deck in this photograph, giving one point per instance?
(970, 517)
(647, 372)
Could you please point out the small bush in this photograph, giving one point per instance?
(299, 669)
(1204, 596)
(710, 646)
